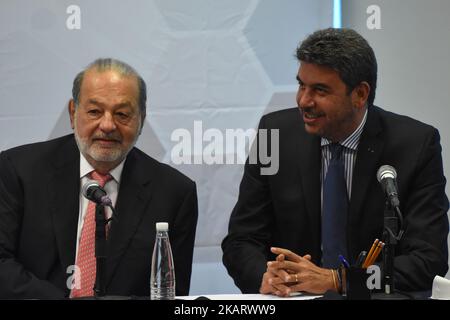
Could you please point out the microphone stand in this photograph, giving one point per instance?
(390, 240)
(100, 253)
(100, 250)
(391, 236)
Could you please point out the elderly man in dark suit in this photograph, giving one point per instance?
(46, 229)
(288, 229)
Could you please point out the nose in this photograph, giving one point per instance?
(107, 123)
(304, 98)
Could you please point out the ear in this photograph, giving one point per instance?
(360, 94)
(71, 108)
(142, 123)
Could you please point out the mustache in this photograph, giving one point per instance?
(112, 136)
(310, 111)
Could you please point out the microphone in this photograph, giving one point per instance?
(393, 221)
(386, 176)
(92, 190)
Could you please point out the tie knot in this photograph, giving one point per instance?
(102, 179)
(336, 150)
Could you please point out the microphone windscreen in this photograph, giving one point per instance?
(87, 185)
(386, 171)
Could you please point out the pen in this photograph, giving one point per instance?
(369, 255)
(376, 253)
(344, 262)
(360, 259)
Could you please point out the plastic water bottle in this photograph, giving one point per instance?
(162, 279)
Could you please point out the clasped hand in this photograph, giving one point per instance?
(293, 273)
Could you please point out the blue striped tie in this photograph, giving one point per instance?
(334, 210)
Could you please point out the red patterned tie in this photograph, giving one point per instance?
(86, 263)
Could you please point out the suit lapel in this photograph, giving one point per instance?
(130, 206)
(63, 190)
(369, 151)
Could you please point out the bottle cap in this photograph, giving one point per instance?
(162, 226)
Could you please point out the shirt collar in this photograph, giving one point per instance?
(352, 141)
(86, 168)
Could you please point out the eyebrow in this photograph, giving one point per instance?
(321, 86)
(123, 104)
(93, 101)
(314, 85)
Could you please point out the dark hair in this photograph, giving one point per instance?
(123, 69)
(346, 52)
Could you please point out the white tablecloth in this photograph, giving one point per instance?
(297, 296)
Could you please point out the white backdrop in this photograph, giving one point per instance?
(224, 63)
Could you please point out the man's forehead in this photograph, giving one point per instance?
(313, 73)
(94, 80)
(104, 86)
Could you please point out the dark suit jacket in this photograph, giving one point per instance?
(284, 209)
(39, 207)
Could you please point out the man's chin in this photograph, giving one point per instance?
(106, 156)
(313, 130)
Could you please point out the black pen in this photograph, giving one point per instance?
(360, 259)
